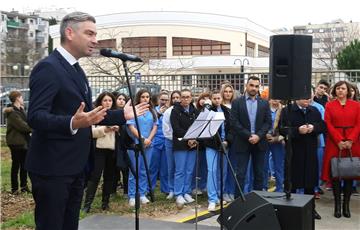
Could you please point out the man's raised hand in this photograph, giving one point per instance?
(83, 119)
(140, 109)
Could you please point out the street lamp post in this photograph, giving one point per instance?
(242, 62)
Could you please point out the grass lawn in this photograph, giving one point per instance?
(17, 210)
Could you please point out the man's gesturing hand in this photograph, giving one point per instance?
(83, 119)
(140, 110)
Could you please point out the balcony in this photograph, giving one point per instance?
(40, 39)
(41, 28)
(17, 25)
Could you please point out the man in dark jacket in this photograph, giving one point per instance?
(250, 122)
(181, 118)
(305, 124)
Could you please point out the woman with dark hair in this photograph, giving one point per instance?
(212, 152)
(148, 127)
(354, 90)
(342, 117)
(122, 142)
(181, 118)
(168, 134)
(202, 102)
(104, 156)
(17, 138)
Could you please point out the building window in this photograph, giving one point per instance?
(107, 43)
(250, 49)
(194, 46)
(145, 47)
(31, 34)
(263, 51)
(186, 80)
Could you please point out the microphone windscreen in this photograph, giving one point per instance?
(105, 52)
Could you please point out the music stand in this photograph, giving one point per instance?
(206, 126)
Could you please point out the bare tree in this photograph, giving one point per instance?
(331, 40)
(152, 65)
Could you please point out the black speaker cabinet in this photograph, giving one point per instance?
(290, 67)
(254, 213)
(295, 214)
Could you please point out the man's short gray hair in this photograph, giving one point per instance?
(71, 19)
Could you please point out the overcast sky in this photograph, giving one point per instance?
(268, 13)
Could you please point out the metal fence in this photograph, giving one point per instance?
(197, 83)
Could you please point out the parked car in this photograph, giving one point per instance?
(153, 88)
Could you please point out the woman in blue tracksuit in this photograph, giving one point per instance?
(148, 128)
(168, 134)
(182, 117)
(158, 164)
(213, 154)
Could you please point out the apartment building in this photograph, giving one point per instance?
(24, 41)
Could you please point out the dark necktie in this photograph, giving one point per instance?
(304, 110)
(81, 72)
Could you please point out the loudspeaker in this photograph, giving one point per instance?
(253, 213)
(294, 214)
(290, 67)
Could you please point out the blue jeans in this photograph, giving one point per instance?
(320, 155)
(170, 164)
(277, 151)
(184, 168)
(159, 166)
(257, 158)
(213, 174)
(143, 183)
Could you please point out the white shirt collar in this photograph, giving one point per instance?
(68, 57)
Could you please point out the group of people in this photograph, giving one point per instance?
(73, 141)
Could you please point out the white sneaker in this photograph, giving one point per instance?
(226, 197)
(218, 202)
(180, 202)
(144, 200)
(232, 197)
(196, 192)
(188, 199)
(170, 196)
(132, 202)
(212, 207)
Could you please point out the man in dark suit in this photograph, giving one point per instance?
(61, 115)
(250, 121)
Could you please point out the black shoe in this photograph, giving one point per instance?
(86, 209)
(25, 189)
(105, 207)
(316, 215)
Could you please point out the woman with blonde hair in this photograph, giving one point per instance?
(228, 94)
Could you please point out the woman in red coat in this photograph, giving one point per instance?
(342, 117)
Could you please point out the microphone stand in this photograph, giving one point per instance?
(138, 147)
(289, 153)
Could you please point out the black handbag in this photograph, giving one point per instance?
(345, 167)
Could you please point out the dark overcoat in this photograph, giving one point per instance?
(304, 163)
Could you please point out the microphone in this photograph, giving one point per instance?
(122, 56)
(207, 104)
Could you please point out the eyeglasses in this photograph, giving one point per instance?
(185, 97)
(164, 99)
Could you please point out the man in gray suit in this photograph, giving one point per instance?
(250, 121)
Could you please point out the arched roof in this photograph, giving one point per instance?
(208, 20)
